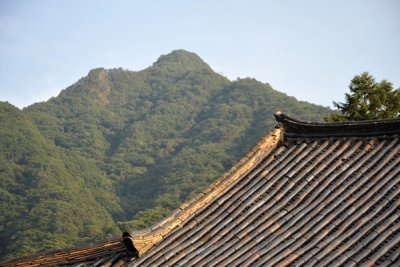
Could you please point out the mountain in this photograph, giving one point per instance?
(120, 149)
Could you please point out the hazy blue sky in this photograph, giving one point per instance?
(307, 49)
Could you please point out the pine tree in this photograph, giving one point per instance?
(368, 100)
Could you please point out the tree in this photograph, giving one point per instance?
(368, 100)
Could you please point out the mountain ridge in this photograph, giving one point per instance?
(140, 143)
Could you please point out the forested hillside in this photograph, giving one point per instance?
(119, 149)
(49, 197)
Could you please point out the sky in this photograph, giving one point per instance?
(309, 49)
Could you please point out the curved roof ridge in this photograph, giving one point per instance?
(144, 239)
(301, 128)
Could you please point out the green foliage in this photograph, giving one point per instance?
(368, 100)
(44, 190)
(121, 149)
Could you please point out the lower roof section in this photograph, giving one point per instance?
(104, 253)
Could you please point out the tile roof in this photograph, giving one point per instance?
(308, 194)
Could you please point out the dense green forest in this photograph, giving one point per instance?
(119, 149)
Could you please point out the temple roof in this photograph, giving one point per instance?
(308, 193)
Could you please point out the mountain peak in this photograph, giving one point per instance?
(182, 58)
(99, 73)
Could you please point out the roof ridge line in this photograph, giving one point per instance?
(144, 239)
(301, 128)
